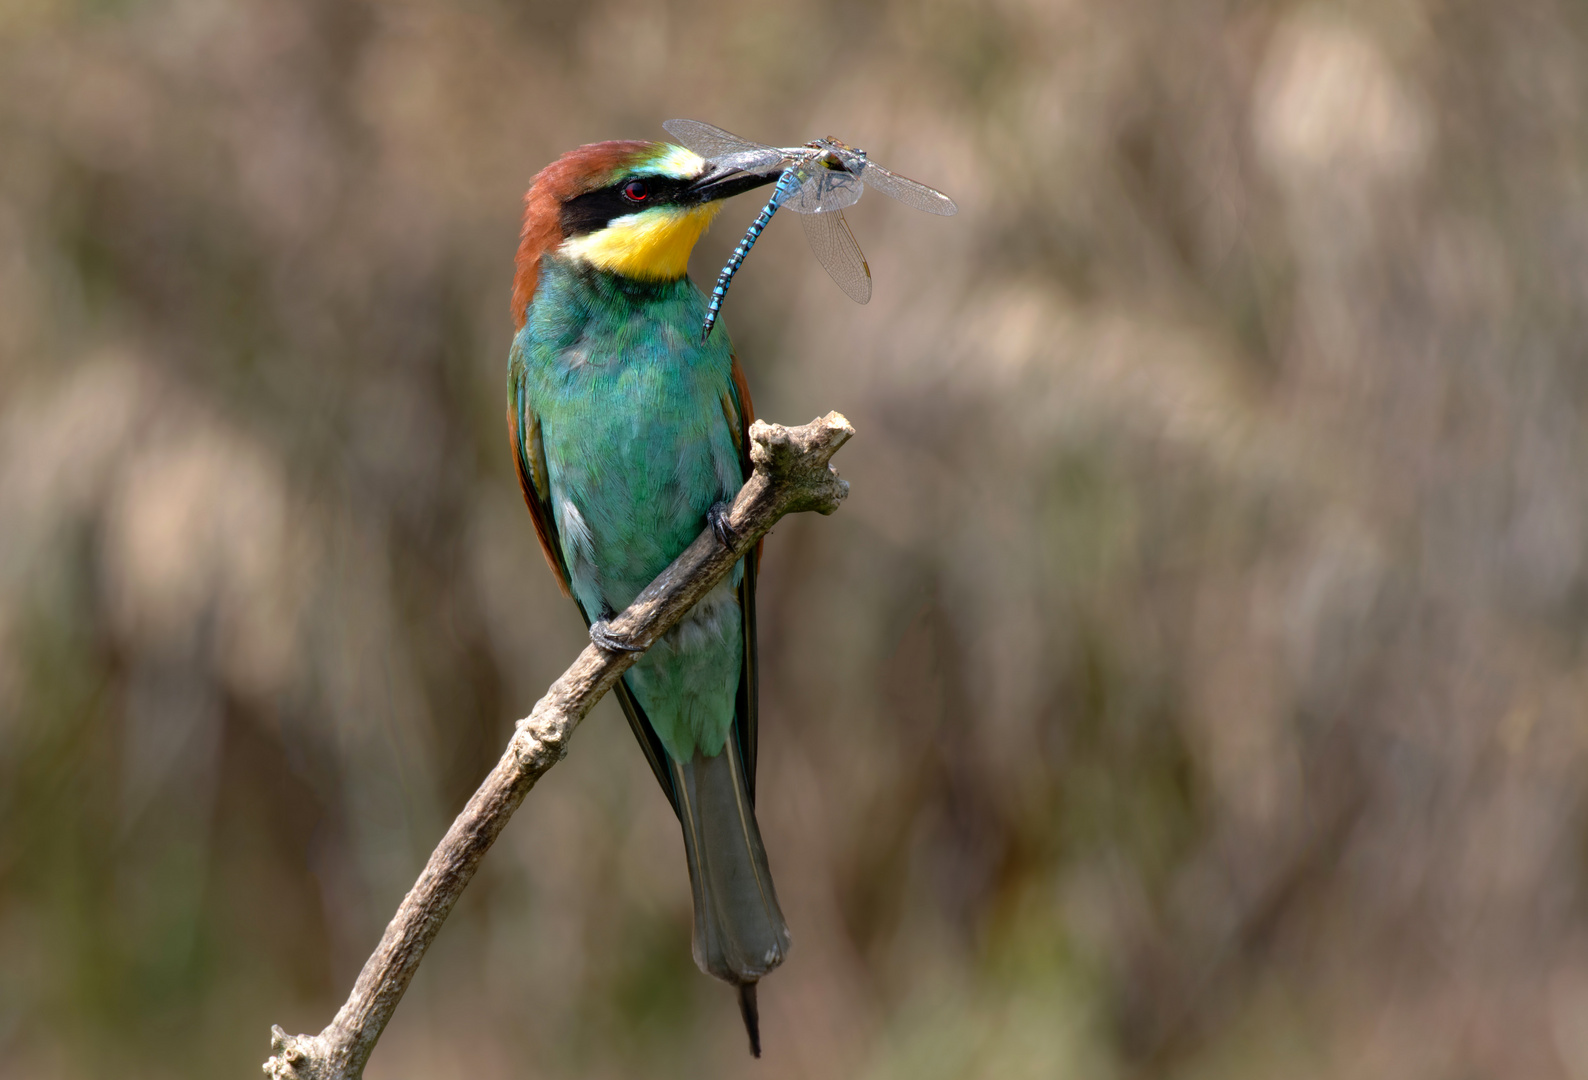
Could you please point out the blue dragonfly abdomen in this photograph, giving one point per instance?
(787, 184)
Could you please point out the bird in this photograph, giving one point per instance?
(630, 435)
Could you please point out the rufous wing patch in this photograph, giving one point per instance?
(531, 481)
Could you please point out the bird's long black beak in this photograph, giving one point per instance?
(725, 180)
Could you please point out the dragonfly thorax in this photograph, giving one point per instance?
(837, 155)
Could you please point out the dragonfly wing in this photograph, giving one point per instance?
(723, 147)
(708, 141)
(907, 191)
(838, 253)
(824, 190)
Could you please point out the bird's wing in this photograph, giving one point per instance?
(529, 458)
(650, 742)
(740, 413)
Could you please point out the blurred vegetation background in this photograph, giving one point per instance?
(1193, 685)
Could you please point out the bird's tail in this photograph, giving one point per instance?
(740, 934)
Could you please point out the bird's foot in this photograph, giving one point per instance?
(717, 518)
(606, 639)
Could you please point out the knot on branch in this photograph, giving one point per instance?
(292, 1057)
(541, 740)
(798, 459)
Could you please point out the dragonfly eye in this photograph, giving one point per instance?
(636, 191)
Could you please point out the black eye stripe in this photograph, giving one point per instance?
(596, 209)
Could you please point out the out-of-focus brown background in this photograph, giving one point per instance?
(1192, 686)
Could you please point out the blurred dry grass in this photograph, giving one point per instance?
(1193, 685)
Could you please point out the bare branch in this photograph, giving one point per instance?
(791, 474)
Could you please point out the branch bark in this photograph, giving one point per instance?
(791, 474)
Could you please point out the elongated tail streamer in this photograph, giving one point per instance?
(786, 186)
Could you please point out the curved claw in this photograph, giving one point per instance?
(717, 518)
(605, 639)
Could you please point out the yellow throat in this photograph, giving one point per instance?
(652, 245)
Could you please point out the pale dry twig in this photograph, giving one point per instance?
(791, 474)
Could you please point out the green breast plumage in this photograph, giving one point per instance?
(637, 448)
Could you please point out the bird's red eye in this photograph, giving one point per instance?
(636, 191)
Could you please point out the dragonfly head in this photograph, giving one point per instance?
(629, 208)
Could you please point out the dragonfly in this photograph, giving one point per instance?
(817, 180)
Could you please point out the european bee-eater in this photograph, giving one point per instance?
(627, 430)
